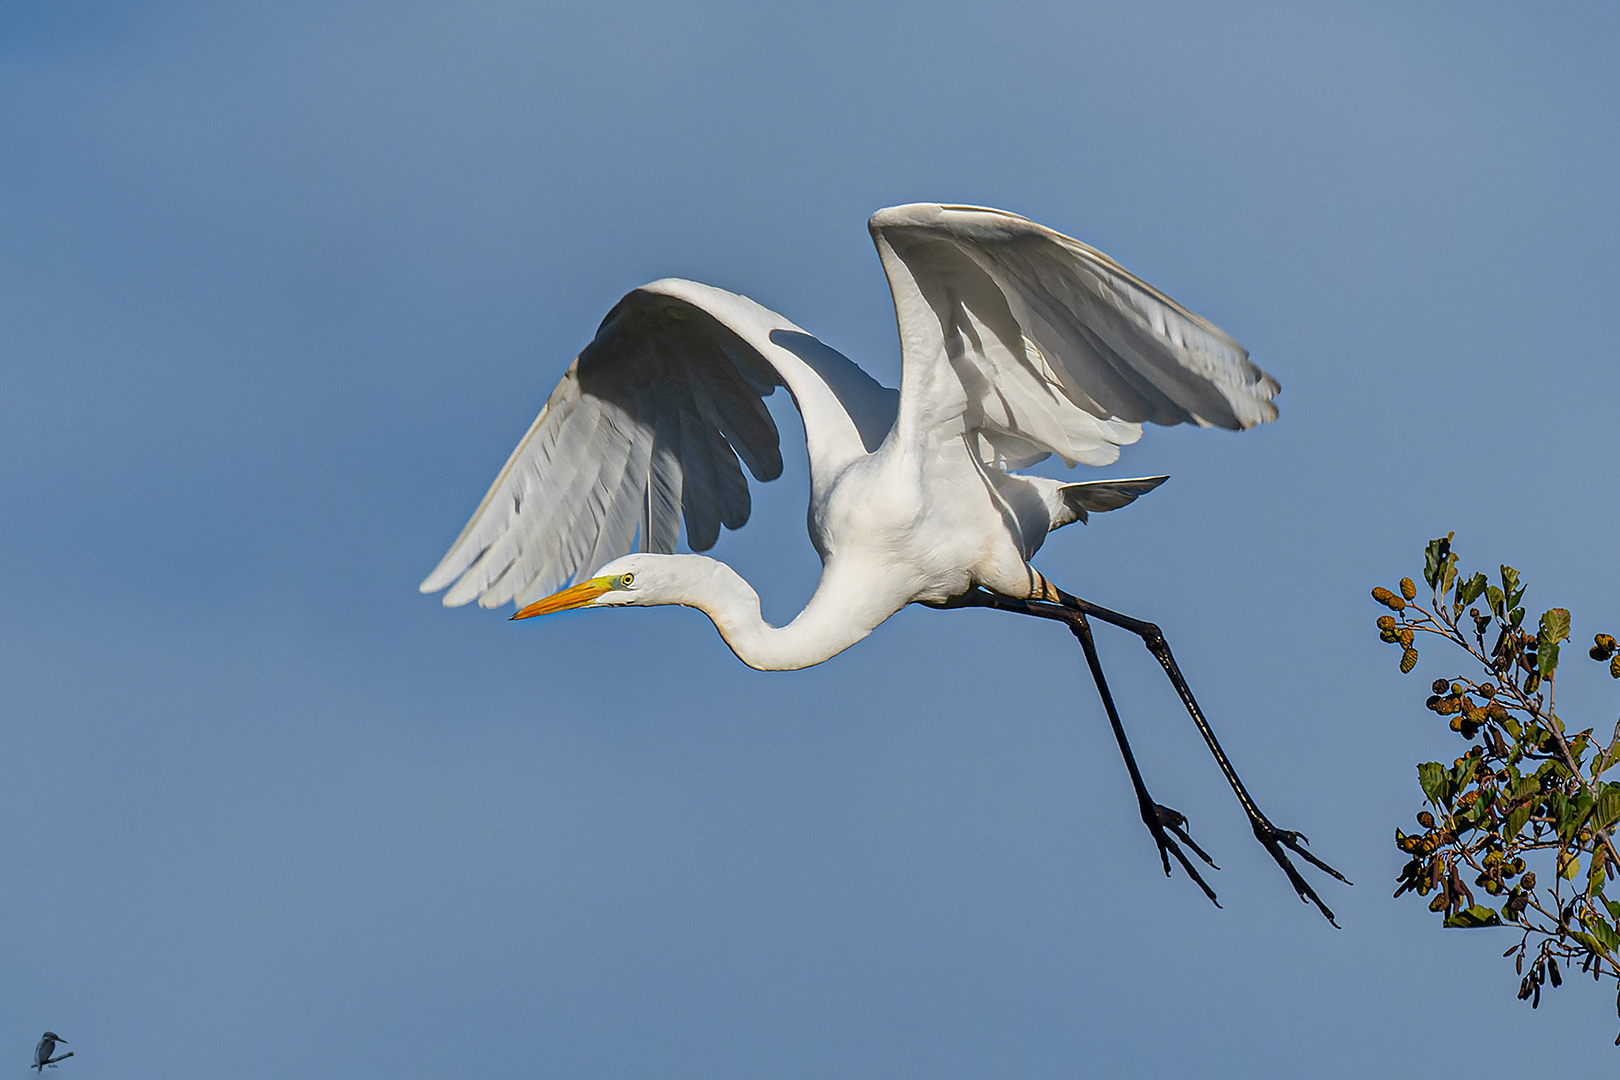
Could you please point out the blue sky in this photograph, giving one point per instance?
(281, 285)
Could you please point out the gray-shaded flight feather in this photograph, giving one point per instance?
(645, 428)
(1054, 346)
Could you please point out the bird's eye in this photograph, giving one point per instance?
(627, 580)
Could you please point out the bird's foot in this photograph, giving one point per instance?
(1161, 818)
(1274, 840)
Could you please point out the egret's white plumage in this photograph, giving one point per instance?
(1017, 342)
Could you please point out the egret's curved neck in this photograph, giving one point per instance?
(837, 616)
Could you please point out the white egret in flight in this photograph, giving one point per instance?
(1017, 343)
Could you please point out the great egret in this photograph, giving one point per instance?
(1017, 342)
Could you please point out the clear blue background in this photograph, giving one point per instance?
(282, 283)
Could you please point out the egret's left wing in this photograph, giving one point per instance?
(1031, 342)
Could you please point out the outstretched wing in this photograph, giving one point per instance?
(644, 429)
(1032, 343)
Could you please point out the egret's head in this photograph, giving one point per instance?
(630, 580)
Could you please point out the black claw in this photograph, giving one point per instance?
(1176, 822)
(1186, 864)
(1274, 840)
(1164, 844)
(1161, 818)
(1288, 838)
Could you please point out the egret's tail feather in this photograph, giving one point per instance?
(1097, 496)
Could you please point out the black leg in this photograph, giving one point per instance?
(1271, 837)
(1157, 818)
(1073, 611)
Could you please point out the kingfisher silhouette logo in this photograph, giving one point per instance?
(45, 1053)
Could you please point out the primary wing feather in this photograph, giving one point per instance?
(1031, 342)
(645, 427)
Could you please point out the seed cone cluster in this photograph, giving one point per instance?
(1525, 790)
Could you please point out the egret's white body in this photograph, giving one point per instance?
(1016, 343)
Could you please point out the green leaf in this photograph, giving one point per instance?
(1434, 558)
(1557, 807)
(1554, 628)
(1608, 807)
(1432, 778)
(1607, 757)
(1516, 820)
(1546, 657)
(1614, 908)
(1580, 808)
(1470, 590)
(1493, 596)
(1590, 943)
(1470, 918)
(1510, 585)
(1599, 927)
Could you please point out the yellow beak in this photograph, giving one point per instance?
(573, 597)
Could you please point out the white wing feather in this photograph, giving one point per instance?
(1030, 342)
(645, 427)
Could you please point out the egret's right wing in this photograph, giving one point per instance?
(1030, 342)
(646, 426)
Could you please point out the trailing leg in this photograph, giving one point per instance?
(1272, 838)
(1156, 817)
(1074, 611)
